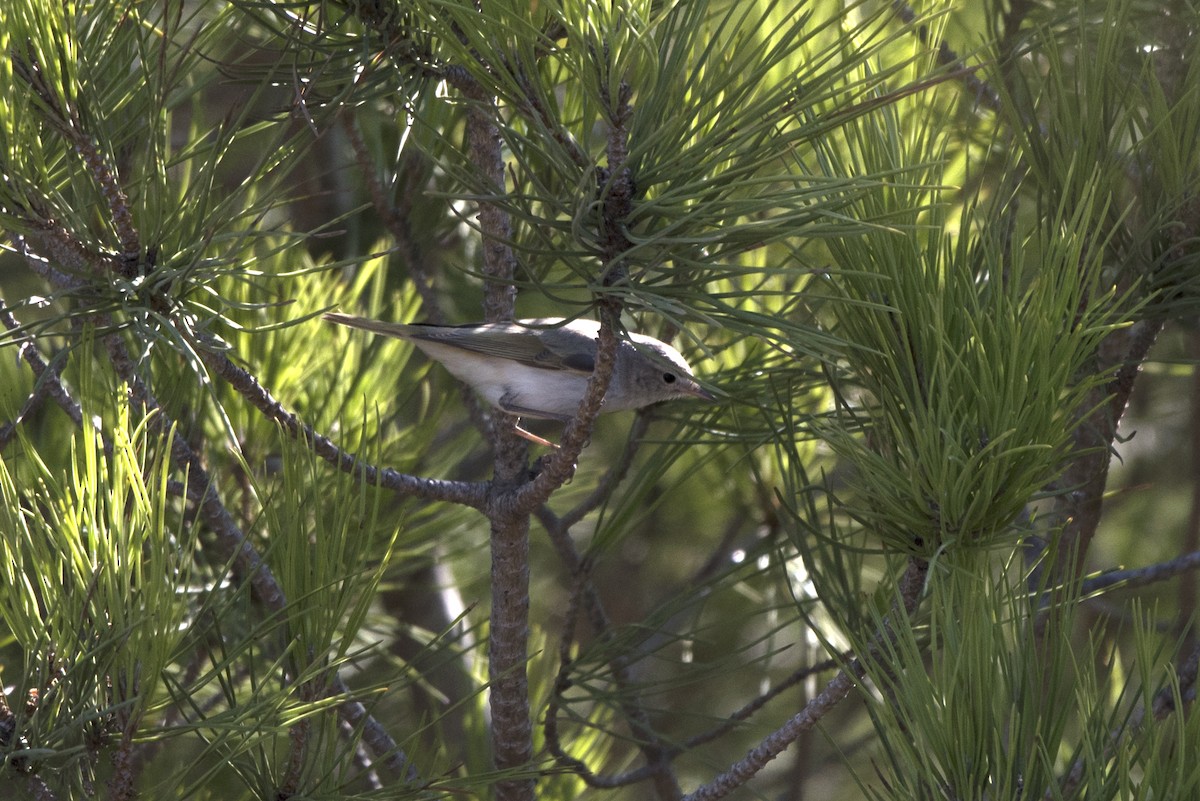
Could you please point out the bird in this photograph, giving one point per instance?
(540, 367)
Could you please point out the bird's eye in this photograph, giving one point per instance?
(668, 378)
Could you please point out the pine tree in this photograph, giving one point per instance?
(921, 254)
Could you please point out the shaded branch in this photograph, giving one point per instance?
(559, 525)
(397, 223)
(910, 588)
(1141, 576)
(947, 57)
(750, 708)
(657, 753)
(48, 384)
(374, 734)
(1081, 489)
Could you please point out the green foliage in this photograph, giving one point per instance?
(98, 577)
(985, 720)
(245, 552)
(970, 357)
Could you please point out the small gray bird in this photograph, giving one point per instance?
(539, 368)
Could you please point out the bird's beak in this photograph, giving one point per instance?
(697, 391)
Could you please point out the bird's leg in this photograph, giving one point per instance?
(534, 438)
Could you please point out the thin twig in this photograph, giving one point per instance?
(1164, 704)
(584, 592)
(534, 108)
(397, 223)
(615, 474)
(48, 381)
(947, 57)
(1141, 576)
(751, 707)
(562, 682)
(374, 734)
(656, 753)
(910, 587)
(467, 493)
(615, 210)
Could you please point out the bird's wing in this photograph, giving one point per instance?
(506, 341)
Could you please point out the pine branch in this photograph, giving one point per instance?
(655, 750)
(558, 527)
(1080, 492)
(947, 57)
(235, 546)
(48, 381)
(1140, 576)
(395, 219)
(910, 589)
(461, 492)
